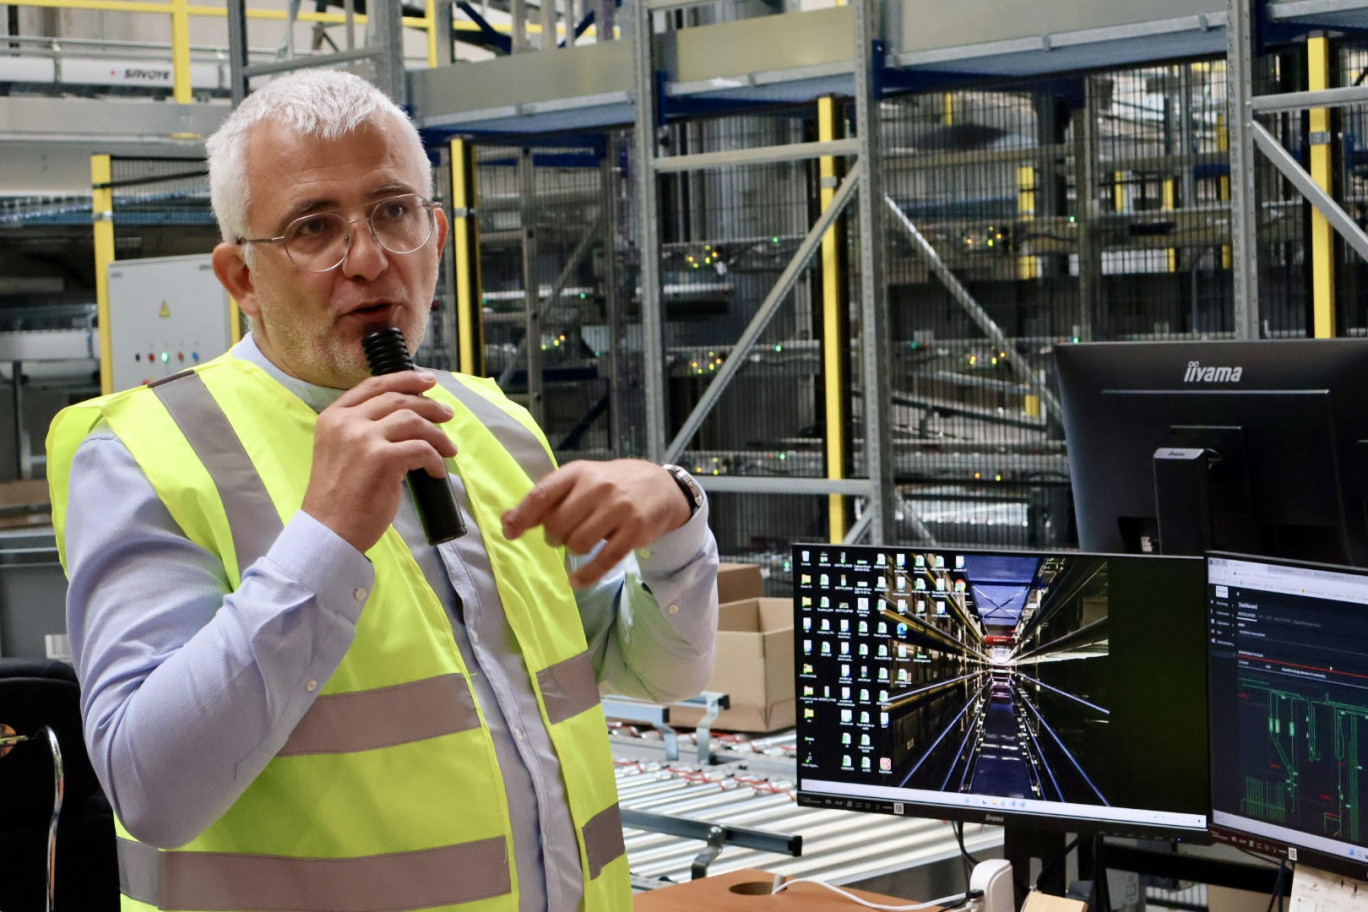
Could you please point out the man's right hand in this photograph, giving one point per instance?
(364, 445)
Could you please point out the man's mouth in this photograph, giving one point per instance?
(377, 311)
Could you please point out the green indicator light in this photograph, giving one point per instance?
(776, 240)
(165, 356)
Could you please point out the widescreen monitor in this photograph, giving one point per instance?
(1047, 690)
(1289, 709)
(1281, 428)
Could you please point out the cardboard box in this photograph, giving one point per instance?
(738, 582)
(754, 665)
(24, 503)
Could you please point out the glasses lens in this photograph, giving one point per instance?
(402, 223)
(317, 242)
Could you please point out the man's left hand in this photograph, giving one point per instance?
(625, 503)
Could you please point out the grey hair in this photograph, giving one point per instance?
(322, 103)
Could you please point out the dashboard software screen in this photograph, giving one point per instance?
(1289, 709)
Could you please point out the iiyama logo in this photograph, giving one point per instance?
(993, 818)
(1198, 374)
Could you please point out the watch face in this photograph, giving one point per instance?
(687, 484)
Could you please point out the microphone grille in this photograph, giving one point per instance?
(386, 351)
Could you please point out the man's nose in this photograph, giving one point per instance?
(365, 258)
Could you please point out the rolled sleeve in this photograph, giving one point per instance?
(652, 624)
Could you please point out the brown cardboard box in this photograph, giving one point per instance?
(737, 582)
(754, 665)
(24, 503)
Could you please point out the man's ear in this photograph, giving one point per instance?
(443, 226)
(231, 269)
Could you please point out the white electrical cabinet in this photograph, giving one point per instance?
(165, 314)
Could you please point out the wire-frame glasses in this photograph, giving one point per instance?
(320, 241)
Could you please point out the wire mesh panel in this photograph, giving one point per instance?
(1091, 208)
(438, 349)
(728, 234)
(980, 287)
(1162, 205)
(547, 264)
(1283, 220)
(161, 207)
(1349, 151)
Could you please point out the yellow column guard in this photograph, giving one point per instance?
(1322, 240)
(833, 332)
(102, 213)
(1028, 267)
(466, 262)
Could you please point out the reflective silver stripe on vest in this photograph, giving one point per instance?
(251, 515)
(218, 881)
(603, 841)
(513, 435)
(568, 688)
(384, 717)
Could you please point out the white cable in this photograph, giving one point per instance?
(958, 898)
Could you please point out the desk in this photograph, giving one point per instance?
(715, 894)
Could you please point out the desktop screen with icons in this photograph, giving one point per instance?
(1057, 690)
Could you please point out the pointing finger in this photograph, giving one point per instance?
(534, 508)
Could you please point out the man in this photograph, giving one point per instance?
(292, 700)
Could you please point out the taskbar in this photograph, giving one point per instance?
(1266, 838)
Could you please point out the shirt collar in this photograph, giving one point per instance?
(315, 397)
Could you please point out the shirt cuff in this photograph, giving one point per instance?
(323, 562)
(675, 550)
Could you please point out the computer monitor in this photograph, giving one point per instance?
(1281, 427)
(1288, 653)
(1040, 689)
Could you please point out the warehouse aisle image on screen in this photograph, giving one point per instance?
(1013, 682)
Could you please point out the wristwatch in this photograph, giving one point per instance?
(686, 483)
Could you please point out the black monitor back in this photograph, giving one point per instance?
(1283, 423)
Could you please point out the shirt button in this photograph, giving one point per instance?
(645, 553)
(518, 734)
(673, 609)
(474, 636)
(311, 685)
(359, 595)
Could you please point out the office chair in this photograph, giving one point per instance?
(56, 828)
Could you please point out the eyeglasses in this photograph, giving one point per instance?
(320, 242)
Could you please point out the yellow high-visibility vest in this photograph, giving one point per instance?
(388, 794)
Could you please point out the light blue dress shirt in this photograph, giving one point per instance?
(188, 689)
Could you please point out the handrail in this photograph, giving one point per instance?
(180, 12)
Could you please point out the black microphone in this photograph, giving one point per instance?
(387, 352)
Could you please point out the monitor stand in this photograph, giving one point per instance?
(1020, 845)
(1096, 854)
(1182, 499)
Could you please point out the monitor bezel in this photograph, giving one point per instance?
(1045, 820)
(1245, 839)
